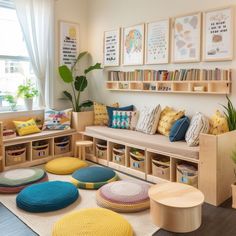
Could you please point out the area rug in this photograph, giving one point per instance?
(42, 223)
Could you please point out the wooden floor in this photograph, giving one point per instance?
(10, 225)
(216, 221)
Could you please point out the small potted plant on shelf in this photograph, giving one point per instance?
(28, 92)
(230, 113)
(78, 84)
(12, 101)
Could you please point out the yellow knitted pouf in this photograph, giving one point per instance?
(91, 222)
(64, 165)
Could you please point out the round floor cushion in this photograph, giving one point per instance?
(48, 196)
(64, 165)
(93, 177)
(93, 221)
(124, 196)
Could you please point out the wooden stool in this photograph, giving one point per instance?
(82, 145)
(176, 207)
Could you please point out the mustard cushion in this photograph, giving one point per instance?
(64, 165)
(100, 113)
(218, 124)
(167, 119)
(92, 221)
(26, 127)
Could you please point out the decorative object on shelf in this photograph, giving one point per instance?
(111, 48)
(78, 84)
(186, 38)
(218, 124)
(157, 42)
(26, 127)
(218, 31)
(233, 186)
(230, 113)
(133, 45)
(12, 101)
(28, 92)
(69, 42)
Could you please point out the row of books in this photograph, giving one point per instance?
(165, 75)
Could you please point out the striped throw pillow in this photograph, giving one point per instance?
(148, 119)
(199, 124)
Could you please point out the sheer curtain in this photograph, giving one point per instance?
(36, 18)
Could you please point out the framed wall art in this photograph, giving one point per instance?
(157, 42)
(69, 42)
(111, 48)
(133, 45)
(186, 42)
(218, 34)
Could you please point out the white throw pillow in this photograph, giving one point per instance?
(148, 119)
(199, 124)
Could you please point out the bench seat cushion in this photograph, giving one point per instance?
(156, 142)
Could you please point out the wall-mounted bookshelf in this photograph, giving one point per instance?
(195, 81)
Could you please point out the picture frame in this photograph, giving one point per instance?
(186, 38)
(133, 45)
(218, 32)
(68, 42)
(111, 48)
(157, 42)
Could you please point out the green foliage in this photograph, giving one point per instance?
(230, 113)
(78, 82)
(27, 90)
(12, 101)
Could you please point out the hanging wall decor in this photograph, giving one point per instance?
(157, 42)
(218, 34)
(186, 38)
(133, 45)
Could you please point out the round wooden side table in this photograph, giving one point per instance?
(81, 145)
(176, 207)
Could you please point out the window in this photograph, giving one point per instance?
(15, 66)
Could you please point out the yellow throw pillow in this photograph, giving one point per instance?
(167, 119)
(100, 113)
(26, 127)
(218, 124)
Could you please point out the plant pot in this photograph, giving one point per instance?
(29, 104)
(233, 186)
(82, 119)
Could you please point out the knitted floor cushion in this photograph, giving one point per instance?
(124, 196)
(48, 196)
(93, 221)
(64, 165)
(17, 189)
(23, 176)
(93, 177)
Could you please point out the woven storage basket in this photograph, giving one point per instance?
(160, 171)
(118, 156)
(16, 156)
(40, 151)
(101, 151)
(137, 162)
(62, 147)
(190, 178)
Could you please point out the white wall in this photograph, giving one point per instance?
(110, 14)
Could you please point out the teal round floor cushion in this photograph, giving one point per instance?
(93, 177)
(48, 196)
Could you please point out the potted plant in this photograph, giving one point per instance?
(12, 101)
(230, 113)
(28, 92)
(78, 84)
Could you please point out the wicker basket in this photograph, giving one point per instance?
(40, 151)
(186, 176)
(137, 162)
(101, 151)
(16, 156)
(118, 156)
(61, 147)
(161, 171)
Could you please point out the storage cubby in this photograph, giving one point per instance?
(61, 145)
(41, 149)
(136, 159)
(138, 85)
(101, 149)
(161, 166)
(118, 154)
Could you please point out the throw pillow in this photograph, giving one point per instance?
(134, 120)
(199, 124)
(100, 113)
(111, 109)
(179, 129)
(26, 127)
(167, 119)
(121, 119)
(218, 124)
(57, 120)
(148, 119)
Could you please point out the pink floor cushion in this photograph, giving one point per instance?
(124, 196)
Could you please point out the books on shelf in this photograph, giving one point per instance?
(177, 75)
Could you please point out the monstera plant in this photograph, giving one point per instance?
(78, 82)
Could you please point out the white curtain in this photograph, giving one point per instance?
(36, 18)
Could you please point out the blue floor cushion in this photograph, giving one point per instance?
(48, 196)
(93, 177)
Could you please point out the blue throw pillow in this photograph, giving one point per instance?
(111, 109)
(179, 129)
